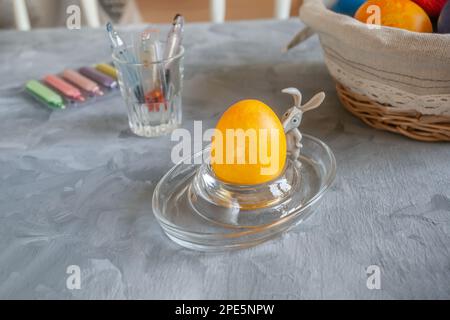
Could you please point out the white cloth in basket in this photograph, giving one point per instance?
(403, 69)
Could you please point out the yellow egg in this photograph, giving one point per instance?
(403, 14)
(249, 144)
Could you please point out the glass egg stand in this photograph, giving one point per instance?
(199, 211)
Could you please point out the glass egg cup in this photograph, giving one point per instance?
(198, 211)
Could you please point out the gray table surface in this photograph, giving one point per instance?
(76, 186)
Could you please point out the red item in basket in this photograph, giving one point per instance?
(432, 7)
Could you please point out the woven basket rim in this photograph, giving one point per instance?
(410, 123)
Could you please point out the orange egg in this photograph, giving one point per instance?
(403, 14)
(249, 144)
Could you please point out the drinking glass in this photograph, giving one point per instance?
(152, 93)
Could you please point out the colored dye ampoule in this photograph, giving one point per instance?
(46, 95)
(64, 87)
(82, 82)
(107, 69)
(99, 77)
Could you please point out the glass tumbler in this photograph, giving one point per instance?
(152, 93)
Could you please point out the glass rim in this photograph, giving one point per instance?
(179, 55)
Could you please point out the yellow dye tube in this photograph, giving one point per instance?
(107, 69)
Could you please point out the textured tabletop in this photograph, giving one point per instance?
(76, 186)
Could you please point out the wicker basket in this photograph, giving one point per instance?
(391, 79)
(411, 123)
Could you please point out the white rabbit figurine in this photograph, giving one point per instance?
(291, 121)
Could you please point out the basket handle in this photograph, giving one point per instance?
(301, 36)
(307, 32)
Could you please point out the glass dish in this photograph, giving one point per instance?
(199, 212)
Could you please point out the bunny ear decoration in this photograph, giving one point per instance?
(296, 94)
(314, 102)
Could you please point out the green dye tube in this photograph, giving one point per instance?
(45, 95)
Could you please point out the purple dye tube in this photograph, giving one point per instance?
(99, 77)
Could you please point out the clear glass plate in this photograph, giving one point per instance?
(199, 212)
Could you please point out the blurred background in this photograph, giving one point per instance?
(30, 14)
